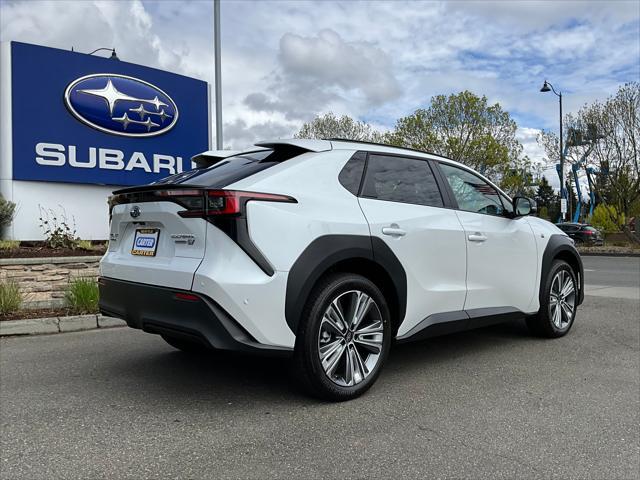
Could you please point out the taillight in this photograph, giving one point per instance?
(588, 232)
(186, 297)
(230, 202)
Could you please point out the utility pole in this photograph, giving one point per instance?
(218, 74)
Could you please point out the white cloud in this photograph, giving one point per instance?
(285, 61)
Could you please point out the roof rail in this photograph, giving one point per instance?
(333, 139)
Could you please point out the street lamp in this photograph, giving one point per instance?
(547, 87)
(112, 50)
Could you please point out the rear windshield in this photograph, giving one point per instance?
(232, 169)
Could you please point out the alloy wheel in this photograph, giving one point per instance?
(562, 299)
(351, 338)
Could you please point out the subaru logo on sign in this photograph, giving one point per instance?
(121, 105)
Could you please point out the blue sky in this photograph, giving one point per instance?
(286, 61)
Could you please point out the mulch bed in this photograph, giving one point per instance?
(41, 252)
(36, 313)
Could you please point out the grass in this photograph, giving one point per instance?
(9, 244)
(10, 297)
(81, 296)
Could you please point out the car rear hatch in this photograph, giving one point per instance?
(150, 241)
(158, 231)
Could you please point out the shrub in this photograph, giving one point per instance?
(84, 245)
(607, 219)
(58, 229)
(81, 296)
(7, 211)
(9, 244)
(10, 297)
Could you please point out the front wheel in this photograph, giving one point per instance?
(344, 338)
(558, 303)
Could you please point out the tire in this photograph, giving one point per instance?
(555, 319)
(353, 357)
(192, 348)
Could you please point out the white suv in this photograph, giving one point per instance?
(329, 250)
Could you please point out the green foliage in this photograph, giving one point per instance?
(9, 244)
(543, 212)
(7, 211)
(466, 128)
(10, 297)
(331, 126)
(607, 219)
(58, 229)
(84, 245)
(81, 296)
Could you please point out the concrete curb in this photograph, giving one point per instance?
(37, 326)
(51, 260)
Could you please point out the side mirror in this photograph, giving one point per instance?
(523, 206)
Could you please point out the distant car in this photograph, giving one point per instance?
(330, 251)
(582, 233)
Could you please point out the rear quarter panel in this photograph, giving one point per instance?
(281, 231)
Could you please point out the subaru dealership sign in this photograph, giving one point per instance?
(84, 119)
(74, 127)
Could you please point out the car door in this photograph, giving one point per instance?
(404, 207)
(502, 255)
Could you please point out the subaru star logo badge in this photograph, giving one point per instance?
(121, 105)
(135, 211)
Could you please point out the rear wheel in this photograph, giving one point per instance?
(558, 304)
(186, 346)
(344, 339)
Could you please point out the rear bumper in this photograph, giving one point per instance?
(194, 317)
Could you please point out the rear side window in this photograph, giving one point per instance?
(351, 174)
(232, 169)
(399, 179)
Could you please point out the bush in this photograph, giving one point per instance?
(9, 244)
(84, 245)
(607, 219)
(10, 297)
(81, 296)
(58, 229)
(7, 211)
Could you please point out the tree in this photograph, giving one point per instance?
(547, 199)
(464, 127)
(607, 219)
(611, 129)
(331, 126)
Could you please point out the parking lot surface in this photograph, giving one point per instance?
(490, 403)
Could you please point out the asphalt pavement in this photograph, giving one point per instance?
(491, 403)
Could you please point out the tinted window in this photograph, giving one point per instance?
(398, 179)
(471, 192)
(232, 169)
(351, 174)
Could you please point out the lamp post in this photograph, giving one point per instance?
(218, 72)
(112, 50)
(547, 87)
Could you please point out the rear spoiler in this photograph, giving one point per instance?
(211, 157)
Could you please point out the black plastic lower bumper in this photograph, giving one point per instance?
(178, 313)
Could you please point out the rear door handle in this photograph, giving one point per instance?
(394, 231)
(477, 237)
